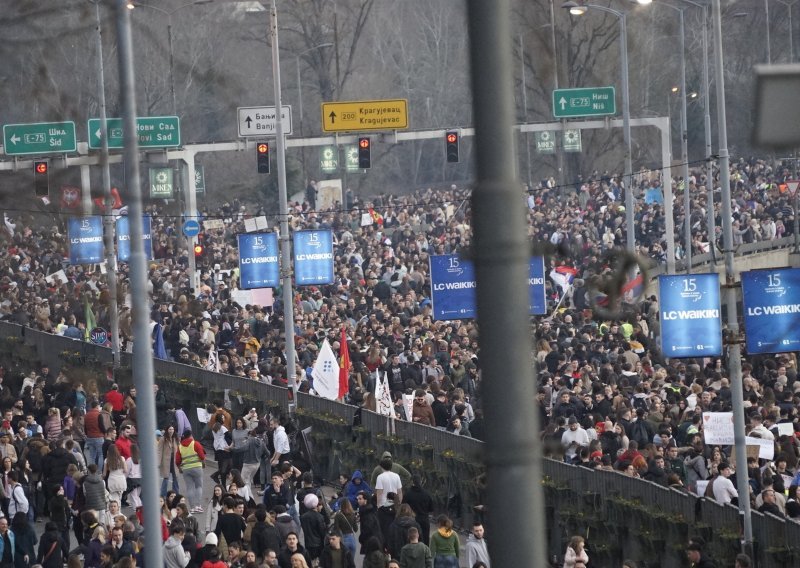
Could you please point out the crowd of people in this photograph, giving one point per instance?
(607, 396)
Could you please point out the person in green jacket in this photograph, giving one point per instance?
(415, 554)
(444, 544)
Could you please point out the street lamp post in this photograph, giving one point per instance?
(684, 142)
(299, 79)
(108, 219)
(766, 15)
(189, 199)
(734, 346)
(789, 6)
(577, 9)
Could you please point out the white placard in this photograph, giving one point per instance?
(718, 428)
(213, 224)
(250, 225)
(366, 219)
(408, 403)
(786, 429)
(202, 415)
(261, 223)
(766, 448)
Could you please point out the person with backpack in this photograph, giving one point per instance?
(640, 429)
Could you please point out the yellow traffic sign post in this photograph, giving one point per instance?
(348, 116)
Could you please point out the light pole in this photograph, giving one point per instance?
(684, 142)
(108, 218)
(789, 6)
(168, 14)
(729, 289)
(189, 200)
(766, 15)
(578, 10)
(299, 79)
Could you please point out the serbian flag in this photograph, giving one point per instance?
(563, 276)
(344, 366)
(633, 288)
(377, 218)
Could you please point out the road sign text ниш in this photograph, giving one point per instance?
(594, 101)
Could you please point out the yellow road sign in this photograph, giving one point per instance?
(346, 116)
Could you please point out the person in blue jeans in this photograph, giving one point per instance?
(444, 544)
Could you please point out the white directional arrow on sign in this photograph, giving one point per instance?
(563, 103)
(15, 139)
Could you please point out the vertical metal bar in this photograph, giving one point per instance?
(734, 348)
(769, 47)
(143, 349)
(707, 132)
(286, 251)
(685, 151)
(626, 132)
(524, 89)
(502, 256)
(108, 219)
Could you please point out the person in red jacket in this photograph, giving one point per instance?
(190, 460)
(116, 400)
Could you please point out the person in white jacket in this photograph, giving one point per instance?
(576, 556)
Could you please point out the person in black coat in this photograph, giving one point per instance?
(397, 536)
(368, 519)
(24, 541)
(292, 546)
(50, 553)
(421, 503)
(264, 536)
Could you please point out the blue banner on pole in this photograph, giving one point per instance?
(124, 238)
(771, 300)
(258, 261)
(313, 257)
(453, 287)
(536, 291)
(691, 325)
(85, 240)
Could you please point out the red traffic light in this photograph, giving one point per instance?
(198, 249)
(452, 137)
(363, 142)
(263, 148)
(40, 167)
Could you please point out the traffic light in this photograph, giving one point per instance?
(198, 250)
(364, 153)
(262, 151)
(451, 145)
(41, 178)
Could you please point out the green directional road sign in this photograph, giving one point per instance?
(39, 138)
(594, 101)
(154, 132)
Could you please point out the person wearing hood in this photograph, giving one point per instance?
(476, 548)
(284, 522)
(356, 484)
(190, 461)
(444, 544)
(174, 554)
(404, 474)
(397, 535)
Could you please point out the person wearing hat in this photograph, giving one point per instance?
(334, 554)
(313, 525)
(722, 487)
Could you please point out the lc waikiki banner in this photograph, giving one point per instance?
(313, 257)
(258, 260)
(771, 300)
(124, 238)
(690, 315)
(453, 287)
(85, 240)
